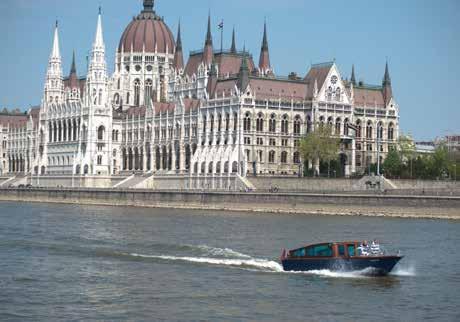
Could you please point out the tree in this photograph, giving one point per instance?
(320, 145)
(392, 164)
(407, 149)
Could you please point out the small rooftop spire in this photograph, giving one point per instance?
(178, 55)
(233, 48)
(386, 77)
(353, 77)
(73, 68)
(99, 39)
(208, 33)
(264, 60)
(265, 41)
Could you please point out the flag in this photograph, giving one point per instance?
(221, 25)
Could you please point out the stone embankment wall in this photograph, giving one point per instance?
(411, 187)
(334, 204)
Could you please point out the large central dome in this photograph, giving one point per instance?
(147, 32)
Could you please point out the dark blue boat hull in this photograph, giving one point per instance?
(370, 265)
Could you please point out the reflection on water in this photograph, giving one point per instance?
(118, 263)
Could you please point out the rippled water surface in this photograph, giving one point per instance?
(72, 263)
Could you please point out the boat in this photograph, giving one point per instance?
(342, 257)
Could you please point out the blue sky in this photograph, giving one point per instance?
(419, 37)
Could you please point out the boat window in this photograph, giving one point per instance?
(351, 250)
(298, 253)
(341, 250)
(324, 250)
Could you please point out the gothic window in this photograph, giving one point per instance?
(235, 122)
(212, 123)
(260, 123)
(285, 124)
(99, 160)
(297, 123)
(94, 96)
(100, 133)
(369, 130)
(329, 121)
(309, 127)
(338, 94)
(127, 98)
(137, 92)
(284, 155)
(390, 132)
(338, 126)
(100, 97)
(296, 158)
(321, 121)
(227, 122)
(345, 127)
(272, 124)
(116, 99)
(359, 128)
(247, 122)
(148, 90)
(380, 130)
(219, 124)
(329, 94)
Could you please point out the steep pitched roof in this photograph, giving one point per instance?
(228, 63)
(319, 73)
(367, 95)
(267, 88)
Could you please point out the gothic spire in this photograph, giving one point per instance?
(386, 84)
(99, 39)
(264, 61)
(233, 48)
(353, 77)
(208, 41)
(178, 55)
(386, 77)
(208, 53)
(73, 68)
(56, 53)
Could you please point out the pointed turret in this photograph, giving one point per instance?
(178, 54)
(97, 72)
(264, 61)
(386, 84)
(233, 48)
(54, 86)
(243, 76)
(208, 53)
(353, 77)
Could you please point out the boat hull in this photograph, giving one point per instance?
(377, 266)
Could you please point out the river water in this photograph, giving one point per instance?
(73, 263)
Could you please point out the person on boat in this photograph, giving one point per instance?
(375, 248)
(363, 249)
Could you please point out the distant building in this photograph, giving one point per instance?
(425, 147)
(218, 114)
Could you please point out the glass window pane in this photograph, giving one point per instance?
(341, 250)
(351, 250)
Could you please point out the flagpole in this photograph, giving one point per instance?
(222, 36)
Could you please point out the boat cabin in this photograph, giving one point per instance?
(331, 250)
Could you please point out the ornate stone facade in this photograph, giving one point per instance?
(218, 115)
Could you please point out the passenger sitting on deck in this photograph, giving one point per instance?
(375, 248)
(363, 249)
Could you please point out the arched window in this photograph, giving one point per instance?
(284, 155)
(296, 158)
(271, 157)
(127, 98)
(359, 128)
(100, 97)
(247, 122)
(369, 130)
(345, 127)
(100, 133)
(272, 124)
(329, 121)
(94, 96)
(338, 94)
(285, 124)
(390, 132)
(329, 94)
(148, 90)
(380, 130)
(219, 123)
(338, 126)
(227, 122)
(297, 124)
(116, 99)
(260, 123)
(137, 92)
(309, 125)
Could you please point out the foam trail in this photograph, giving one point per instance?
(223, 252)
(261, 264)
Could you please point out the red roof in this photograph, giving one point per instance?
(149, 31)
(267, 88)
(229, 64)
(369, 97)
(191, 104)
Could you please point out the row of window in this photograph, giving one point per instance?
(284, 156)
